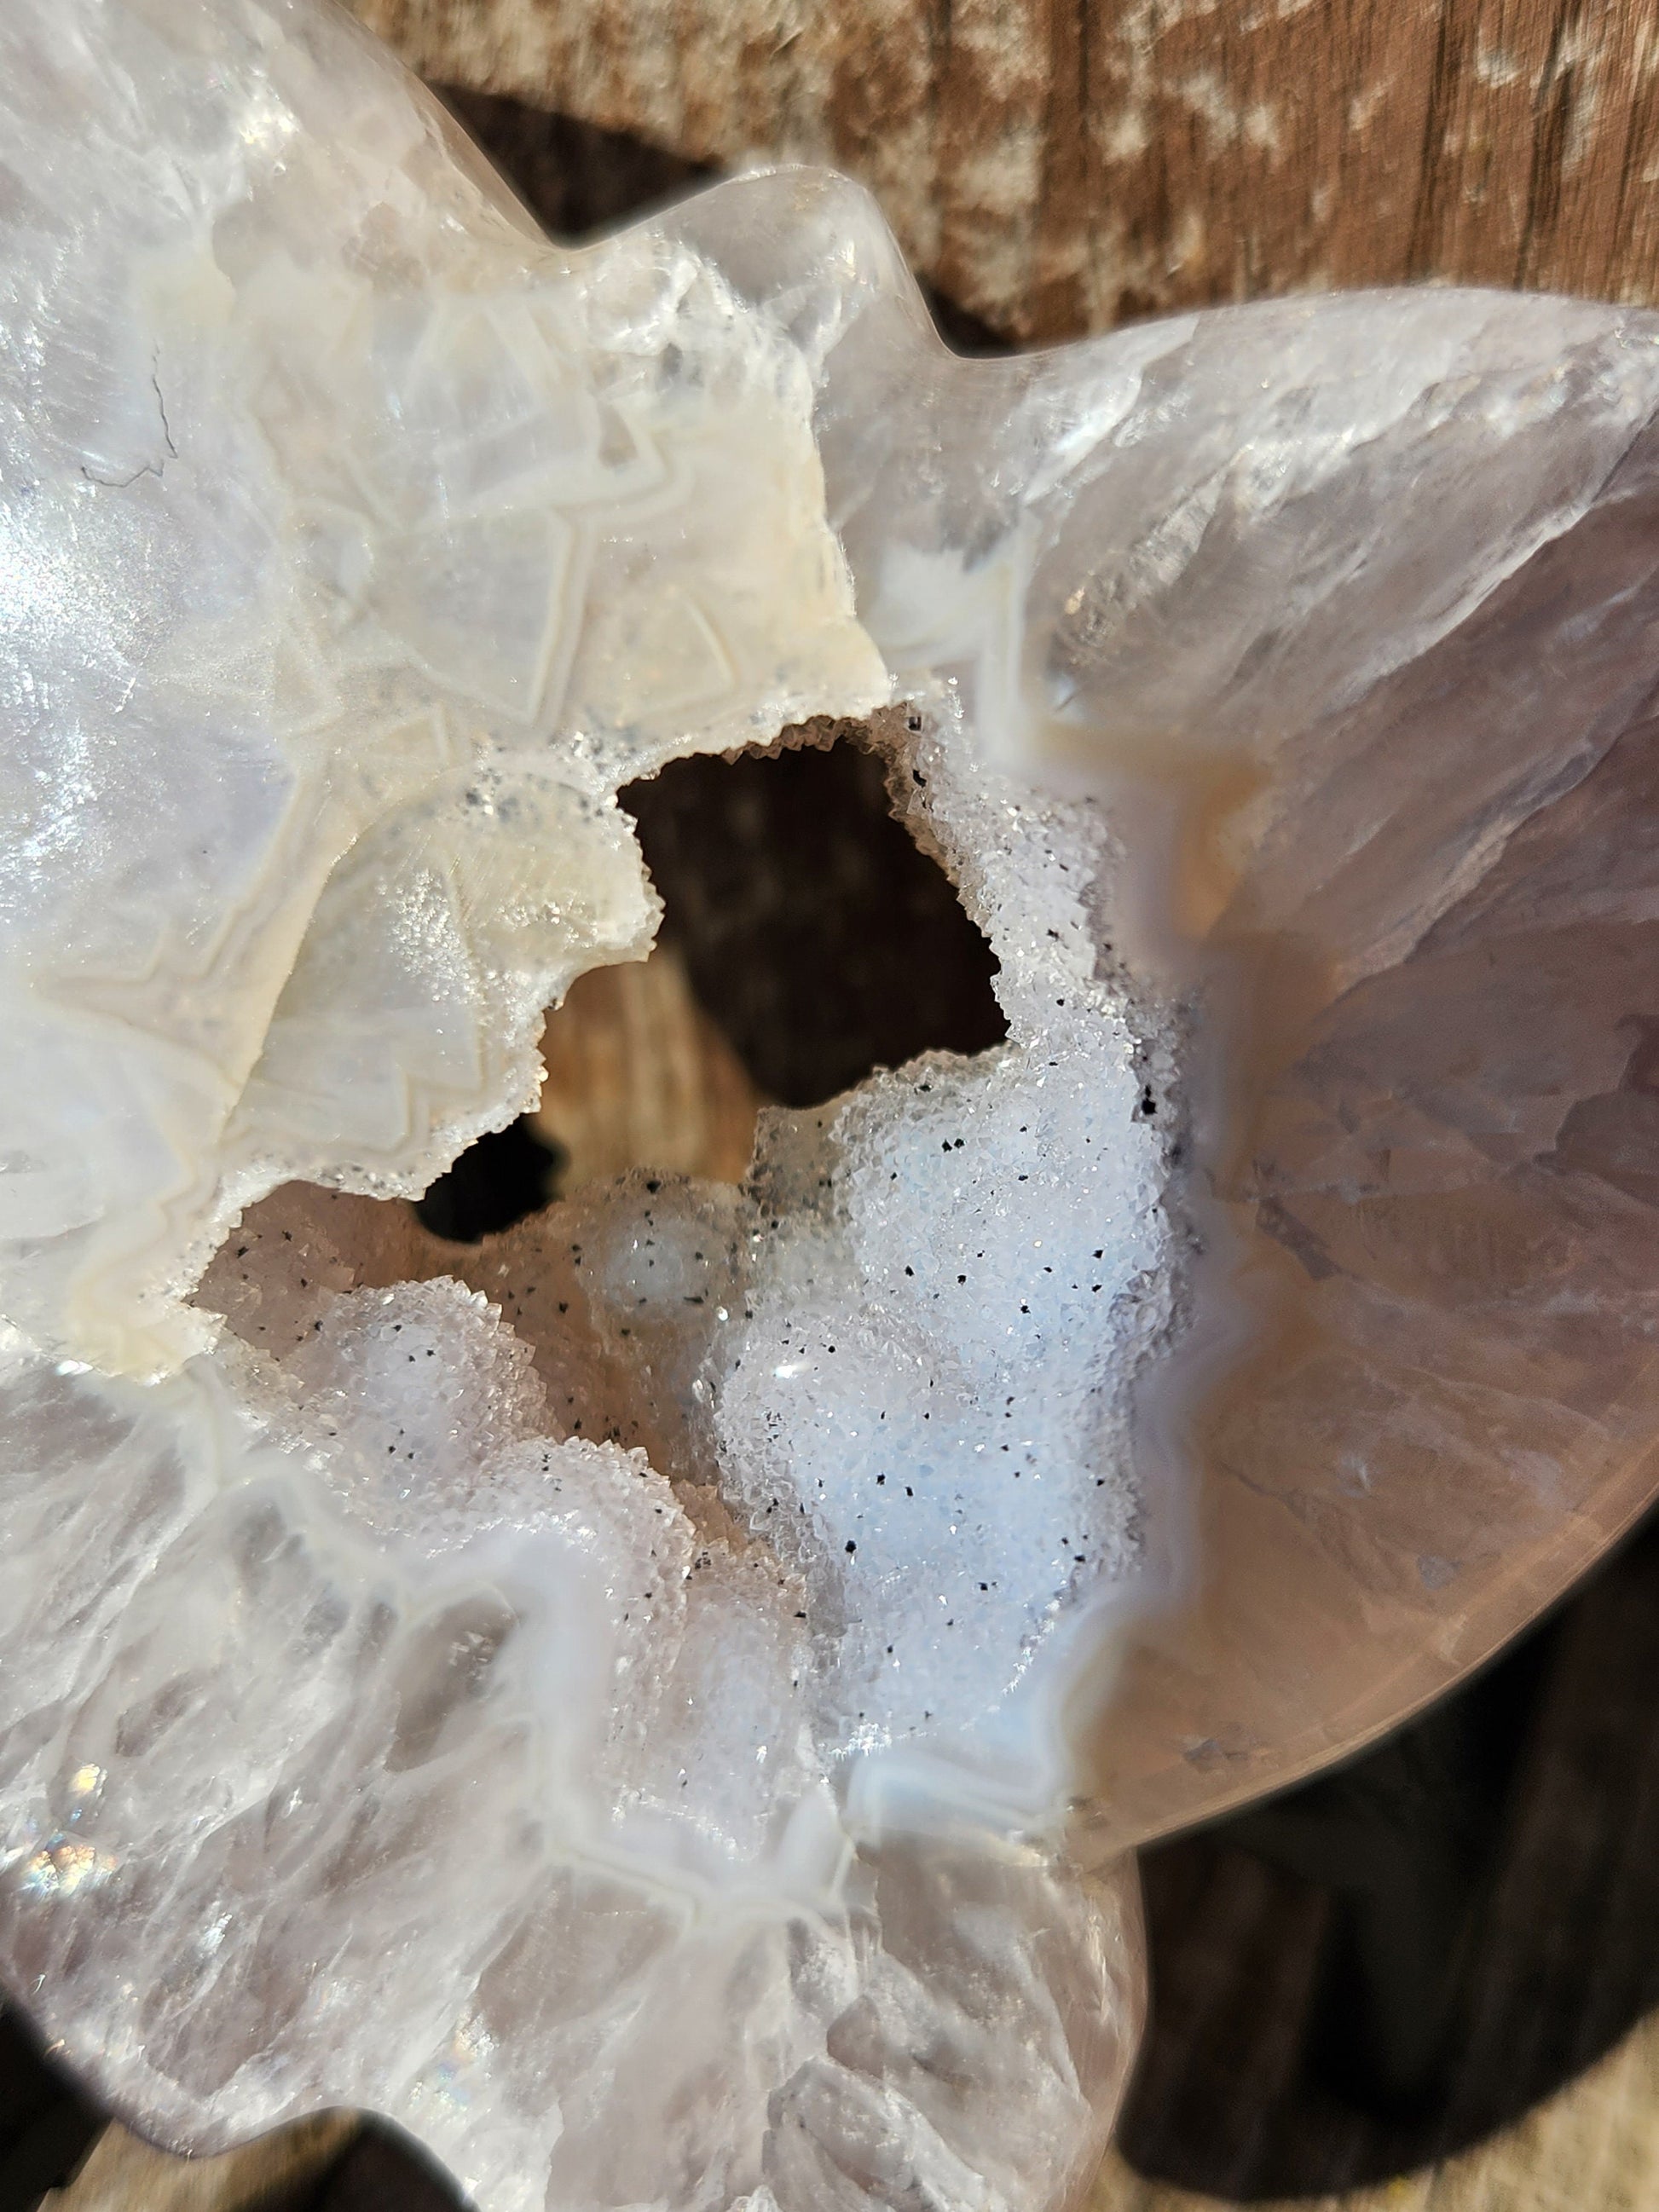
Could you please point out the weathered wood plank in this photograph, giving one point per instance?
(123, 2174)
(1056, 165)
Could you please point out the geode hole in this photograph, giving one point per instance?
(806, 940)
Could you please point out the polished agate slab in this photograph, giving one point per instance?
(656, 1703)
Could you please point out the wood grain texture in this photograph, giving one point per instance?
(124, 2174)
(639, 1075)
(1056, 165)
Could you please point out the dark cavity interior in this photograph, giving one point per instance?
(815, 933)
(818, 935)
(505, 1175)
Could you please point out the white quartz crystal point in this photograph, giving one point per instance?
(357, 545)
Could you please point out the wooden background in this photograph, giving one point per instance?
(1054, 166)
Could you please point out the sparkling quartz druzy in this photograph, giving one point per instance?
(610, 1700)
